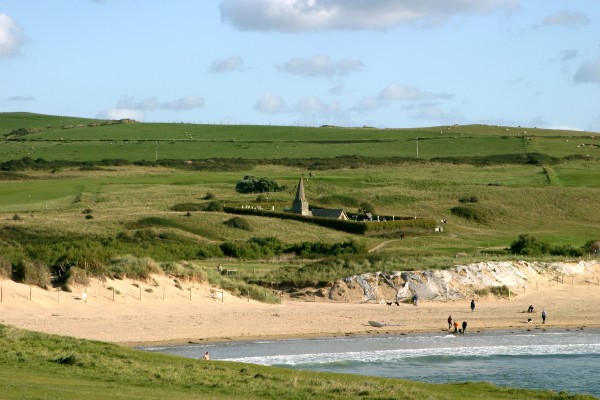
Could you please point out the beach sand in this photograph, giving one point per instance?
(144, 314)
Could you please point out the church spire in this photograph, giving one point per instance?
(300, 204)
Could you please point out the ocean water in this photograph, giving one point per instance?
(558, 360)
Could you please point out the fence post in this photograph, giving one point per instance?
(58, 294)
(29, 293)
(113, 294)
(190, 294)
(140, 293)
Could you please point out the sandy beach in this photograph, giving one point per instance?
(141, 313)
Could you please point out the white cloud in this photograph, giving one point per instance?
(122, 113)
(321, 65)
(11, 36)
(397, 92)
(185, 103)
(434, 113)
(589, 71)
(368, 104)
(229, 64)
(313, 105)
(400, 92)
(569, 19)
(271, 104)
(303, 15)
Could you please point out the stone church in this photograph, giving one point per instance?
(300, 206)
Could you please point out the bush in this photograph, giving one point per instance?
(214, 206)
(251, 184)
(31, 273)
(500, 290)
(188, 207)
(469, 199)
(529, 246)
(238, 223)
(366, 207)
(209, 196)
(133, 267)
(5, 267)
(592, 247)
(467, 213)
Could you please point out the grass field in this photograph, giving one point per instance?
(39, 366)
(556, 201)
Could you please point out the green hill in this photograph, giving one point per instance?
(86, 185)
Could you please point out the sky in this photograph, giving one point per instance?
(381, 63)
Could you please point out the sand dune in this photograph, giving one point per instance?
(142, 313)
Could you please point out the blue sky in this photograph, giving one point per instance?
(383, 63)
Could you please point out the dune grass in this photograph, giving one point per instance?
(40, 366)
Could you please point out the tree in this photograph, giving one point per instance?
(366, 207)
(251, 184)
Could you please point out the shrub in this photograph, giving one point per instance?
(32, 273)
(133, 267)
(529, 245)
(87, 211)
(238, 223)
(209, 196)
(592, 247)
(16, 217)
(5, 267)
(251, 184)
(500, 290)
(188, 207)
(89, 216)
(214, 206)
(78, 276)
(566, 251)
(467, 213)
(366, 207)
(469, 199)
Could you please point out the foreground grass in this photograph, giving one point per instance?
(40, 366)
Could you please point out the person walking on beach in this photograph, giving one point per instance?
(449, 322)
(464, 327)
(472, 305)
(455, 326)
(544, 315)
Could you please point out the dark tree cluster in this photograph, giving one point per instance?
(252, 184)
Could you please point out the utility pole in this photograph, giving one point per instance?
(417, 147)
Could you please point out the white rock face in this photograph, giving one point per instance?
(459, 281)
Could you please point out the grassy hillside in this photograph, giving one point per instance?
(61, 138)
(504, 181)
(39, 366)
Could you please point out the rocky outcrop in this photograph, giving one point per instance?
(457, 282)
